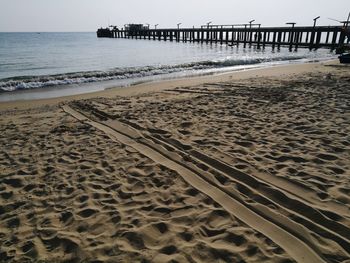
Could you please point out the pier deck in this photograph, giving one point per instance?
(247, 35)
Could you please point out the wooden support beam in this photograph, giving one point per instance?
(296, 41)
(312, 39)
(327, 37)
(250, 35)
(291, 37)
(279, 40)
(274, 40)
(342, 38)
(318, 39)
(307, 37)
(301, 33)
(334, 40)
(258, 39)
(233, 37)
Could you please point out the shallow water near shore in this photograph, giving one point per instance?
(58, 64)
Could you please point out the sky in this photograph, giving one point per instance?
(88, 15)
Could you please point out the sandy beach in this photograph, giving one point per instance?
(249, 166)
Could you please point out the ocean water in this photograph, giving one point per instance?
(41, 65)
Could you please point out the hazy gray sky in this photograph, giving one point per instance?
(87, 15)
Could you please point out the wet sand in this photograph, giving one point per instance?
(251, 166)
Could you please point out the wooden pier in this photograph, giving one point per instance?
(293, 37)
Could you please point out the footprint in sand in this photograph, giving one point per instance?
(88, 212)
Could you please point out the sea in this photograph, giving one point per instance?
(46, 65)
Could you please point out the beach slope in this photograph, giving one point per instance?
(242, 167)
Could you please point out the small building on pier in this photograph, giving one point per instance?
(104, 32)
(135, 27)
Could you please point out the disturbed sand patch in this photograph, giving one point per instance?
(74, 195)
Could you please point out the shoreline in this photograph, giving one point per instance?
(152, 86)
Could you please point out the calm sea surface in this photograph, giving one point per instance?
(38, 65)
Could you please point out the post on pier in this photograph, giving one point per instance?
(291, 35)
(221, 35)
(342, 38)
(318, 39)
(245, 36)
(250, 35)
(296, 41)
(327, 37)
(233, 37)
(264, 39)
(312, 39)
(258, 37)
(307, 37)
(334, 40)
(274, 39)
(279, 39)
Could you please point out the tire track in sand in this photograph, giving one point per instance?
(294, 246)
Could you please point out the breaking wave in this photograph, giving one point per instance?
(34, 82)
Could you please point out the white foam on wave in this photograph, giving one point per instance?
(35, 82)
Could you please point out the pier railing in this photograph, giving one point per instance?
(247, 35)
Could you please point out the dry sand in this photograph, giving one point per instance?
(242, 167)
